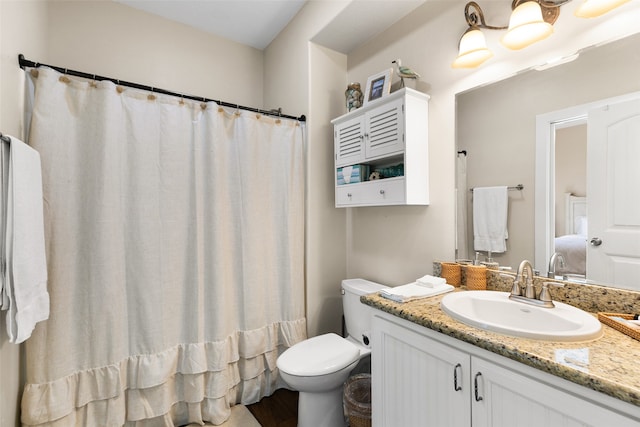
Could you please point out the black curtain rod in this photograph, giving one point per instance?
(26, 63)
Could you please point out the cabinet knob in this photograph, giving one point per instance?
(382, 192)
(349, 195)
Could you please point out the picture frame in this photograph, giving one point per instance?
(378, 86)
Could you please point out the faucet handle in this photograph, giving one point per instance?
(516, 289)
(545, 294)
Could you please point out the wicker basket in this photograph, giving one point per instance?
(476, 277)
(606, 318)
(357, 400)
(451, 272)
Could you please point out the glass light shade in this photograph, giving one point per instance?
(526, 26)
(473, 50)
(594, 8)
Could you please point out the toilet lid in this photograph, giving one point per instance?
(319, 355)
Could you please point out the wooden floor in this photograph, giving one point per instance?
(278, 410)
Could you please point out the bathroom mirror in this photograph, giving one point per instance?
(496, 127)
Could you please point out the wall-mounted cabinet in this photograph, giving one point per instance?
(389, 135)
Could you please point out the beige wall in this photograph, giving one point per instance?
(395, 245)
(114, 40)
(301, 76)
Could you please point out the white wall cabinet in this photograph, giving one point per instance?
(423, 378)
(387, 132)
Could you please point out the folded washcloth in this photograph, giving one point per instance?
(413, 291)
(431, 281)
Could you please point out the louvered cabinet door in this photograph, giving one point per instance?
(384, 130)
(349, 142)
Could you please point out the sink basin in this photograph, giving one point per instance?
(494, 311)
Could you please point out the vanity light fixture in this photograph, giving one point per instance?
(595, 8)
(527, 26)
(530, 22)
(472, 49)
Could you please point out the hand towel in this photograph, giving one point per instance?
(25, 280)
(490, 205)
(412, 291)
(431, 281)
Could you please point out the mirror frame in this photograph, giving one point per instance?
(546, 125)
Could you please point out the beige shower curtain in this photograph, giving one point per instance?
(175, 235)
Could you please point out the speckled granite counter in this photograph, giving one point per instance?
(612, 366)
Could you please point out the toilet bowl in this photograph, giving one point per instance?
(319, 366)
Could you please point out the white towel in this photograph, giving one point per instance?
(490, 205)
(24, 288)
(412, 291)
(431, 281)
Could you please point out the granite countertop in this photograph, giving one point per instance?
(608, 364)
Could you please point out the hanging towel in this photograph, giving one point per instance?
(413, 291)
(24, 269)
(490, 205)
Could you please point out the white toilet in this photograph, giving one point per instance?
(318, 367)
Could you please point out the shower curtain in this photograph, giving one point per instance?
(174, 233)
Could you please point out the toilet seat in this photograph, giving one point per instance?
(321, 355)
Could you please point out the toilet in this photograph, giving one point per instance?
(318, 367)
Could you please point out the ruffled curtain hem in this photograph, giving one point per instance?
(187, 383)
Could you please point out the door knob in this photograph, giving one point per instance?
(596, 241)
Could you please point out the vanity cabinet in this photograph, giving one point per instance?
(423, 378)
(385, 133)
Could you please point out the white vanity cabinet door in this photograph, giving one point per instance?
(417, 382)
(349, 142)
(505, 398)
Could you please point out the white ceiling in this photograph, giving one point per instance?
(250, 22)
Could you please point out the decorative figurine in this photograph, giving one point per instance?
(353, 96)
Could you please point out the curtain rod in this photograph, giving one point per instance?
(27, 63)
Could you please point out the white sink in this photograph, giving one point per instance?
(494, 311)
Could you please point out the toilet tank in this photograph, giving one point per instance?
(357, 316)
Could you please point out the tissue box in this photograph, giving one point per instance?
(352, 174)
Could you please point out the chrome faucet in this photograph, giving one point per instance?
(524, 291)
(524, 270)
(555, 258)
